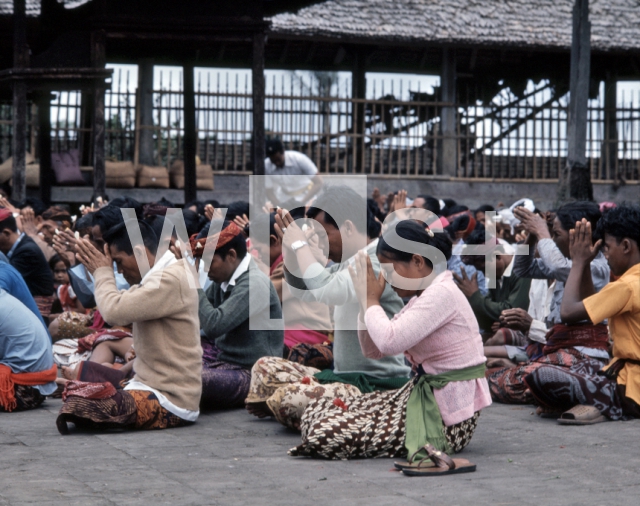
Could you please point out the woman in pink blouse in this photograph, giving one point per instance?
(438, 333)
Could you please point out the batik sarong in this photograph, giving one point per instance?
(26, 398)
(563, 388)
(224, 385)
(507, 384)
(288, 387)
(120, 409)
(367, 426)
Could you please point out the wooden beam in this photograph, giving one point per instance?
(20, 61)
(448, 151)
(575, 181)
(44, 146)
(609, 154)
(145, 95)
(190, 134)
(358, 90)
(98, 58)
(258, 92)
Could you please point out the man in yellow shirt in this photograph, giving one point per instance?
(614, 391)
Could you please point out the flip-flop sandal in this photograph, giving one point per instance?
(581, 415)
(440, 464)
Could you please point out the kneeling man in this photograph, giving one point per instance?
(163, 308)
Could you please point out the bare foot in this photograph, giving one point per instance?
(259, 409)
(62, 381)
(69, 373)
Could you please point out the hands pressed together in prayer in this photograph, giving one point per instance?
(368, 286)
(90, 257)
(534, 225)
(516, 319)
(468, 286)
(581, 246)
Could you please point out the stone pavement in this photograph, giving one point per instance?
(232, 458)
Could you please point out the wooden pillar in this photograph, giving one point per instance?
(358, 91)
(575, 179)
(190, 134)
(449, 143)
(98, 54)
(609, 152)
(20, 61)
(258, 148)
(44, 146)
(145, 88)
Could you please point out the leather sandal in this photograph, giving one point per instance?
(436, 463)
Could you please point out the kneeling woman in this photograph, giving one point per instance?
(437, 411)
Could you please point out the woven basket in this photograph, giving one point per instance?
(120, 174)
(204, 176)
(153, 177)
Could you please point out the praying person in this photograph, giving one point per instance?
(163, 308)
(27, 371)
(510, 291)
(237, 295)
(29, 261)
(592, 394)
(437, 411)
(564, 345)
(283, 389)
(304, 322)
(12, 282)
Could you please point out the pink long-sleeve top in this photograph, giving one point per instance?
(438, 331)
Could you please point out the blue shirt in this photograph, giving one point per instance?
(25, 345)
(12, 282)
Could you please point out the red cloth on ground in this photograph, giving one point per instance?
(9, 379)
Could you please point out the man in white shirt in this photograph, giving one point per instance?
(282, 189)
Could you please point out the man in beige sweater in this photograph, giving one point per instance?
(165, 391)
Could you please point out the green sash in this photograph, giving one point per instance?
(365, 383)
(423, 419)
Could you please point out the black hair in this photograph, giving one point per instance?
(431, 203)
(84, 222)
(10, 223)
(119, 237)
(484, 208)
(374, 209)
(107, 217)
(212, 202)
(36, 204)
(238, 243)
(414, 231)
(55, 259)
(621, 222)
(128, 203)
(457, 209)
(459, 224)
(478, 236)
(156, 223)
(345, 204)
(374, 227)
(193, 221)
(198, 204)
(569, 213)
(274, 146)
(237, 208)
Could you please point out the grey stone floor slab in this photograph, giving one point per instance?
(232, 458)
